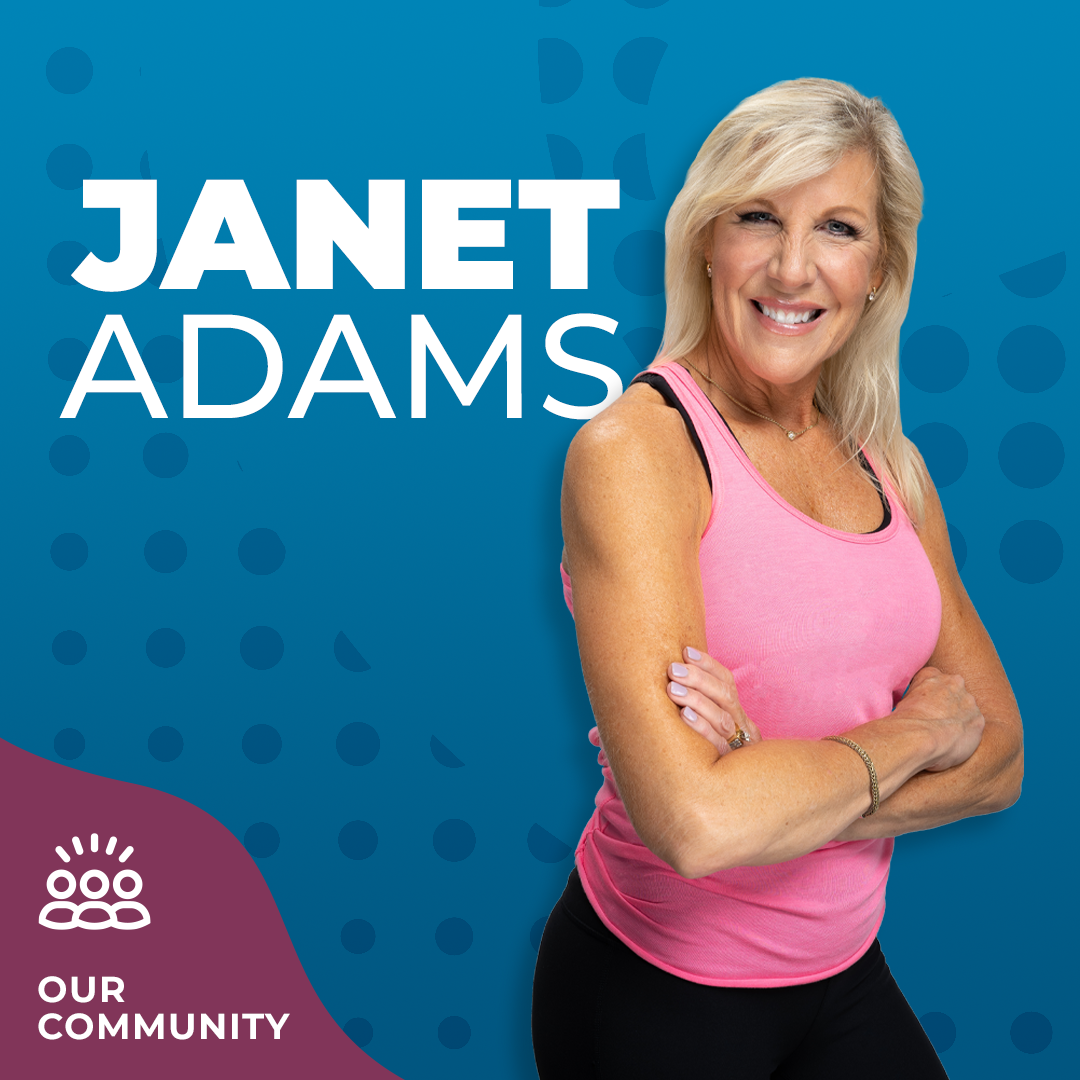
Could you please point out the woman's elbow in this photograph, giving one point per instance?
(700, 847)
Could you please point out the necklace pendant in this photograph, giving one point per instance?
(791, 435)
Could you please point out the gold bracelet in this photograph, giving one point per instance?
(874, 794)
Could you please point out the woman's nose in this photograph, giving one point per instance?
(792, 264)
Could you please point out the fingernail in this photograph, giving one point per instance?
(679, 671)
(689, 715)
(678, 689)
(692, 653)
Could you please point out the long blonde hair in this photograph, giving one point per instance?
(784, 135)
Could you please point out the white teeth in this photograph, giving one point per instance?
(788, 318)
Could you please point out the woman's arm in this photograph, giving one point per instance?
(635, 504)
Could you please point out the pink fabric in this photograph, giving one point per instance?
(823, 630)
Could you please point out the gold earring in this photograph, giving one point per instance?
(708, 269)
(873, 294)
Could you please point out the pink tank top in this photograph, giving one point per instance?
(822, 630)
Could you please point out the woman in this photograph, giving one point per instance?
(753, 497)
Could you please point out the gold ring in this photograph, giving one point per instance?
(740, 738)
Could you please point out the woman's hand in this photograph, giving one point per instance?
(944, 701)
(708, 701)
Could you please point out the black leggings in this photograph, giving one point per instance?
(600, 1012)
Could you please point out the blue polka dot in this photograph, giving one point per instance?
(546, 847)
(454, 1032)
(63, 259)
(357, 840)
(940, 1030)
(454, 936)
(165, 552)
(1031, 359)
(66, 358)
(69, 551)
(165, 455)
(358, 935)
(261, 840)
(454, 840)
(261, 551)
(444, 755)
(165, 648)
(639, 263)
(631, 168)
(68, 166)
(165, 743)
(348, 656)
(69, 455)
(566, 161)
(560, 69)
(69, 70)
(959, 546)
(644, 343)
(261, 744)
(261, 647)
(537, 932)
(69, 744)
(69, 647)
(635, 68)
(646, 3)
(1031, 1032)
(1037, 278)
(359, 1030)
(1031, 552)
(144, 165)
(1031, 455)
(935, 359)
(358, 744)
(944, 450)
(164, 358)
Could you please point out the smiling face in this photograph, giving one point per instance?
(791, 273)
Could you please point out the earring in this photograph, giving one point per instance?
(708, 269)
(873, 294)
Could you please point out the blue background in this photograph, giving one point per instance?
(418, 595)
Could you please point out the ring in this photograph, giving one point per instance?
(740, 738)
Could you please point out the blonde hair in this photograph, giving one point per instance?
(785, 135)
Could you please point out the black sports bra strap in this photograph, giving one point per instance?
(663, 388)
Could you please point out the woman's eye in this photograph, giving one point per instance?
(757, 217)
(840, 228)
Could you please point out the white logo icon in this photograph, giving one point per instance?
(94, 884)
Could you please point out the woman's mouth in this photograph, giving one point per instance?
(788, 318)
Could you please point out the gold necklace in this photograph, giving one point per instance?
(792, 435)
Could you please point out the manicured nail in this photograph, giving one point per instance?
(678, 689)
(679, 671)
(692, 653)
(689, 715)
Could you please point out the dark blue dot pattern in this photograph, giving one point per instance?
(66, 358)
(958, 545)
(164, 358)
(68, 166)
(454, 840)
(454, 936)
(357, 840)
(631, 168)
(165, 455)
(639, 263)
(444, 755)
(63, 259)
(1031, 455)
(165, 647)
(359, 1030)
(454, 1032)
(635, 68)
(261, 744)
(935, 359)
(1031, 359)
(536, 933)
(644, 344)
(69, 551)
(358, 744)
(1031, 1033)
(348, 656)
(261, 840)
(69, 70)
(1031, 552)
(545, 846)
(944, 450)
(165, 743)
(1036, 279)
(69, 647)
(940, 1030)
(560, 70)
(144, 165)
(69, 744)
(165, 552)
(566, 162)
(358, 936)
(261, 551)
(262, 648)
(69, 455)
